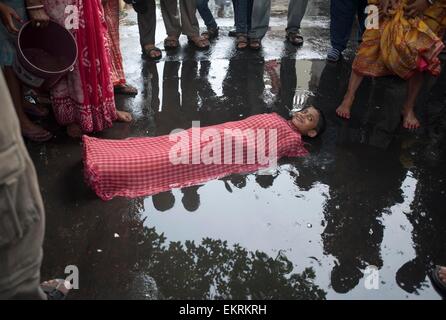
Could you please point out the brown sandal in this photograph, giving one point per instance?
(241, 41)
(255, 44)
(199, 42)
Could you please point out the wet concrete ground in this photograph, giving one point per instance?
(370, 193)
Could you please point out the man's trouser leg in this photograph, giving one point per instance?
(342, 15)
(189, 21)
(296, 12)
(206, 14)
(147, 24)
(169, 10)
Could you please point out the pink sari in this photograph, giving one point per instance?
(111, 11)
(85, 96)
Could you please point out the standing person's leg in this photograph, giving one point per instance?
(296, 12)
(344, 109)
(261, 12)
(189, 24)
(171, 17)
(342, 15)
(29, 129)
(147, 28)
(208, 18)
(111, 14)
(414, 85)
(241, 23)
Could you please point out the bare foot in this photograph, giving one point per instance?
(343, 110)
(124, 116)
(56, 289)
(410, 121)
(74, 131)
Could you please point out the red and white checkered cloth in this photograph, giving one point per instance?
(141, 166)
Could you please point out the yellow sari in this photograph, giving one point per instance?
(403, 46)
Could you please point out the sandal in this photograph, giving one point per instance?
(171, 44)
(126, 89)
(211, 33)
(242, 41)
(147, 52)
(36, 136)
(439, 285)
(255, 44)
(200, 43)
(295, 38)
(57, 291)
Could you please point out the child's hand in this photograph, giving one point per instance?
(8, 15)
(416, 8)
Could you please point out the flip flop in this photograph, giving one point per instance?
(126, 89)
(439, 285)
(334, 55)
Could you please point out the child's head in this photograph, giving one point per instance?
(310, 121)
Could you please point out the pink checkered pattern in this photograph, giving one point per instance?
(141, 166)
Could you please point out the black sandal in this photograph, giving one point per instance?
(255, 44)
(211, 33)
(295, 38)
(197, 44)
(147, 53)
(241, 39)
(171, 44)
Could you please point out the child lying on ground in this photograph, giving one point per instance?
(145, 166)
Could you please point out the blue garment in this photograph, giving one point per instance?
(206, 14)
(243, 14)
(342, 15)
(7, 40)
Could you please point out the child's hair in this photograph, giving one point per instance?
(322, 123)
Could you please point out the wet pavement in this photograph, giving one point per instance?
(369, 194)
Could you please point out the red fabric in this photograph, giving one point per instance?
(111, 12)
(85, 96)
(141, 166)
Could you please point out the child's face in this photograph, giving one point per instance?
(306, 121)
